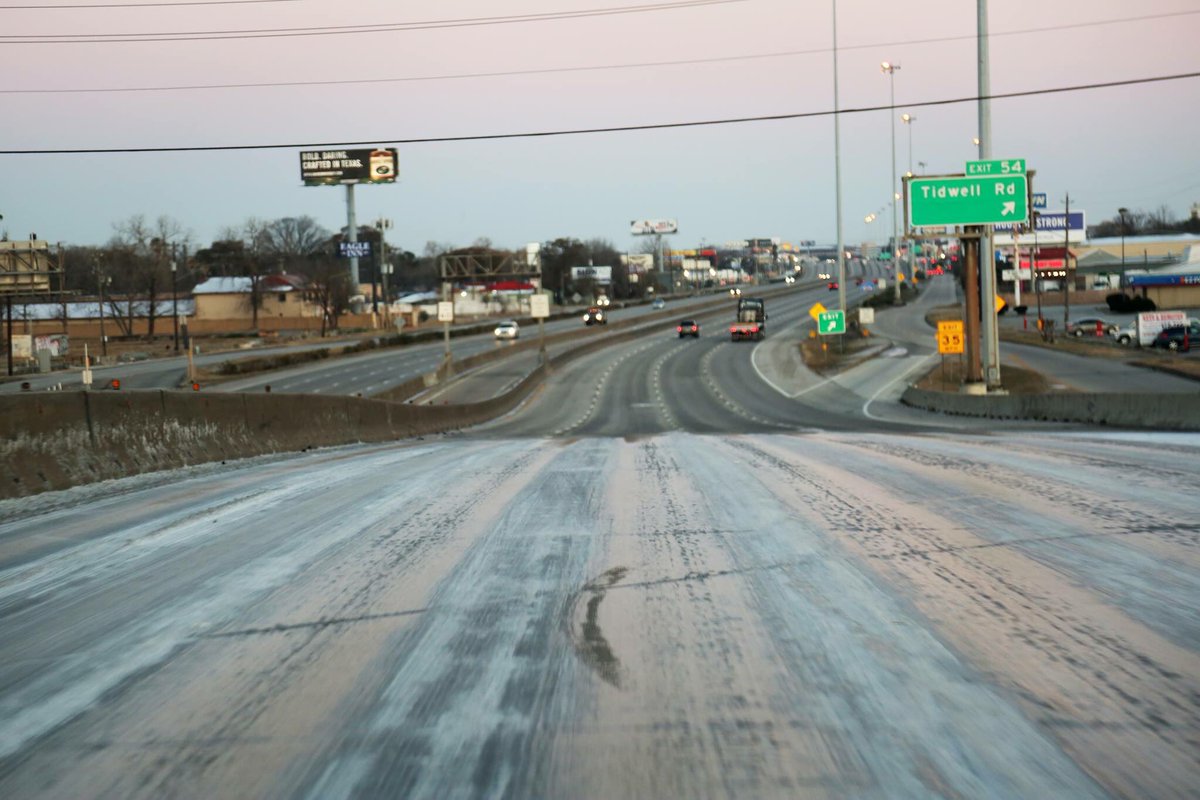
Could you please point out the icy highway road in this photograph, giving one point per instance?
(657, 578)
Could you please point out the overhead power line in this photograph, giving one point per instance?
(563, 70)
(341, 30)
(145, 5)
(609, 129)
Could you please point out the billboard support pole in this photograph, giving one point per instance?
(352, 227)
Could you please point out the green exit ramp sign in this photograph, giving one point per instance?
(980, 200)
(830, 322)
(1003, 166)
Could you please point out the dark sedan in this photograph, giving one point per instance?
(1178, 338)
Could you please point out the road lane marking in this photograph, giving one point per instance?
(921, 361)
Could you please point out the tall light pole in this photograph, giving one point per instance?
(908, 120)
(987, 259)
(837, 171)
(1122, 212)
(889, 69)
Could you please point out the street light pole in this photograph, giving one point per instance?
(837, 171)
(908, 120)
(890, 70)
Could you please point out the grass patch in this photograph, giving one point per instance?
(829, 355)
(947, 376)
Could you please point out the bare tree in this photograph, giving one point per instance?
(291, 240)
(1160, 220)
(329, 289)
(144, 248)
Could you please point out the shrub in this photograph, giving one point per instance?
(1118, 302)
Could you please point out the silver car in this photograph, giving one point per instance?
(1125, 335)
(508, 329)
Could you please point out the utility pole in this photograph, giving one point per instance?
(174, 300)
(1067, 266)
(384, 267)
(890, 69)
(1122, 212)
(101, 279)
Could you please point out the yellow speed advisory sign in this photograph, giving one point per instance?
(950, 336)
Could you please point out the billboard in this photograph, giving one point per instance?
(601, 275)
(650, 227)
(333, 167)
(638, 263)
(25, 266)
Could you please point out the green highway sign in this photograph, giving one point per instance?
(831, 322)
(984, 200)
(1003, 166)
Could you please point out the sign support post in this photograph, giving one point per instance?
(974, 379)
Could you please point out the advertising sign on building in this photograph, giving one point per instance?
(1051, 225)
(334, 167)
(58, 344)
(354, 249)
(649, 227)
(601, 275)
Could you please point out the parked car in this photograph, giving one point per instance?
(1179, 338)
(595, 316)
(688, 327)
(1088, 327)
(507, 329)
(658, 304)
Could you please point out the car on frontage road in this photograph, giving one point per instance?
(507, 329)
(1088, 326)
(1125, 335)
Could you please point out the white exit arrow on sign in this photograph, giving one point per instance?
(1009, 208)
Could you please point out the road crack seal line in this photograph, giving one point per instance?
(593, 649)
(317, 624)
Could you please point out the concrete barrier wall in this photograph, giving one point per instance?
(1176, 412)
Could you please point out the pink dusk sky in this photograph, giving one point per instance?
(591, 64)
